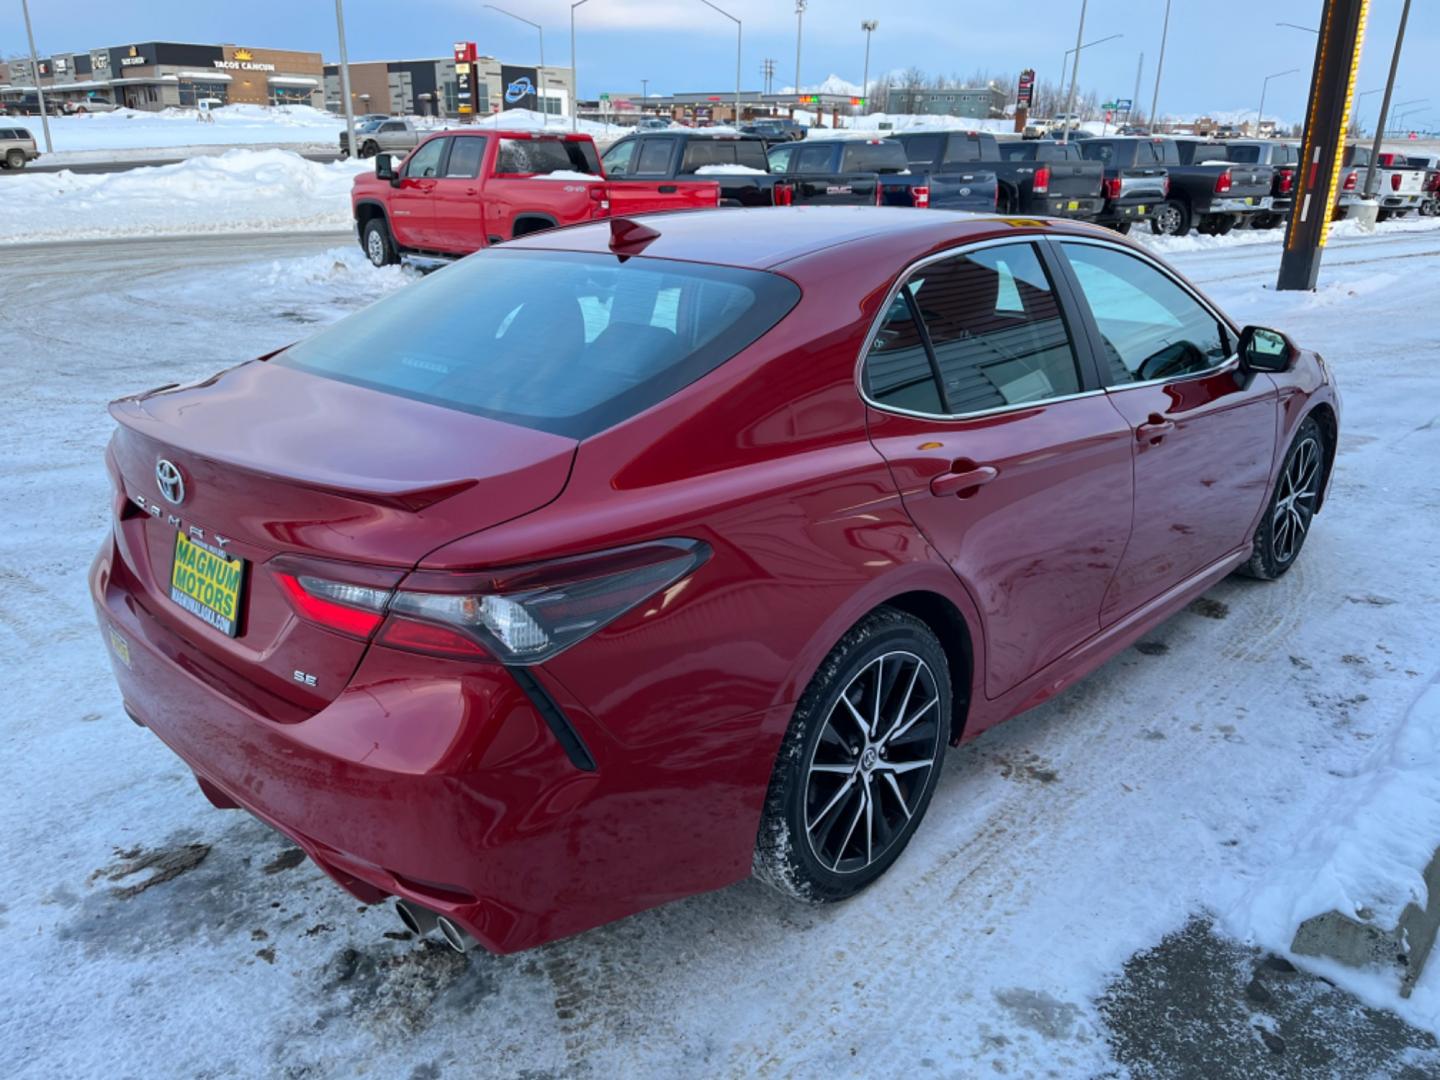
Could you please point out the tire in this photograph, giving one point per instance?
(369, 148)
(1215, 224)
(831, 769)
(376, 241)
(1282, 531)
(1122, 227)
(15, 159)
(1384, 215)
(1171, 218)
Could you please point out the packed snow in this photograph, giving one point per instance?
(232, 125)
(729, 169)
(1270, 752)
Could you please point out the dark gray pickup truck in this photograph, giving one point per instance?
(902, 183)
(1039, 178)
(1210, 191)
(1136, 181)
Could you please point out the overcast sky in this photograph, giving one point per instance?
(1217, 55)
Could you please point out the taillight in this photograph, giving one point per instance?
(1110, 187)
(1042, 180)
(784, 195)
(600, 196)
(1395, 181)
(920, 197)
(528, 614)
(353, 610)
(1350, 180)
(1167, 185)
(1287, 181)
(1223, 182)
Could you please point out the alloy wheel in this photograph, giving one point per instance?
(1295, 501)
(872, 762)
(1168, 219)
(375, 247)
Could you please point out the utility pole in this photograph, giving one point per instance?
(1074, 75)
(869, 26)
(800, 6)
(1159, 67)
(35, 75)
(1139, 68)
(644, 94)
(575, 75)
(1384, 102)
(345, 77)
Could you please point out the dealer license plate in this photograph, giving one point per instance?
(1072, 205)
(1140, 210)
(207, 583)
(1250, 200)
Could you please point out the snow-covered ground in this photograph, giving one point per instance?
(233, 125)
(1268, 751)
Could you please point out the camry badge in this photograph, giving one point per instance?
(172, 484)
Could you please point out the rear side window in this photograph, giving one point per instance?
(923, 149)
(561, 342)
(996, 332)
(1014, 151)
(465, 154)
(522, 157)
(880, 157)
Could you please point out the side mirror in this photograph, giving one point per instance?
(1265, 350)
(385, 167)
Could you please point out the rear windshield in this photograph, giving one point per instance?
(1244, 154)
(881, 157)
(1197, 153)
(702, 152)
(1038, 151)
(1120, 152)
(561, 342)
(540, 156)
(922, 149)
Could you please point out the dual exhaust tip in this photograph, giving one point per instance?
(421, 921)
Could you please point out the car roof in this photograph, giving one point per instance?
(764, 238)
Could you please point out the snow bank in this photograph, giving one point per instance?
(902, 122)
(237, 191)
(234, 125)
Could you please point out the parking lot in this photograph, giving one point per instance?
(1152, 805)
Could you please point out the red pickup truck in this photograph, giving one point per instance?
(459, 191)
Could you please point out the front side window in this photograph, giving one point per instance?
(425, 161)
(562, 342)
(780, 158)
(1096, 150)
(619, 157)
(1151, 328)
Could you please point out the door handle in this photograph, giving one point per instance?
(668, 189)
(472, 191)
(959, 483)
(1155, 429)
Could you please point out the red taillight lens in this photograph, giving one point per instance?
(784, 195)
(1042, 180)
(1395, 181)
(1287, 181)
(354, 610)
(1350, 180)
(1110, 187)
(1223, 182)
(920, 197)
(1167, 185)
(527, 615)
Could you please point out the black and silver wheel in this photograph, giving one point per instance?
(1171, 218)
(1292, 506)
(379, 248)
(369, 148)
(859, 762)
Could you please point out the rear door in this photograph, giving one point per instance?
(412, 202)
(639, 171)
(1204, 438)
(1013, 465)
(459, 224)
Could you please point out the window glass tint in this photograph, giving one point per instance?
(1096, 150)
(923, 149)
(702, 152)
(1151, 327)
(1244, 155)
(897, 368)
(392, 127)
(425, 161)
(619, 157)
(465, 155)
(751, 154)
(563, 342)
(996, 328)
(813, 159)
(1285, 154)
(960, 148)
(881, 157)
(780, 158)
(531, 156)
(1017, 151)
(1168, 154)
(654, 157)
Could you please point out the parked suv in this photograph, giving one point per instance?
(17, 147)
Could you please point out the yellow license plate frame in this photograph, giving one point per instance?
(208, 583)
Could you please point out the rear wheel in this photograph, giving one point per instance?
(1215, 224)
(1122, 227)
(1171, 218)
(369, 148)
(379, 247)
(14, 159)
(1292, 505)
(859, 762)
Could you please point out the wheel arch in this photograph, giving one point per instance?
(948, 624)
(367, 210)
(1324, 415)
(531, 221)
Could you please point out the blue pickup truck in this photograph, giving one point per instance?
(902, 182)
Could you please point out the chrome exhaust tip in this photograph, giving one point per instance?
(456, 937)
(418, 920)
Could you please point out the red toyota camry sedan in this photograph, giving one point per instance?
(626, 560)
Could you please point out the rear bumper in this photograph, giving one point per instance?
(1065, 206)
(1248, 204)
(432, 780)
(1131, 210)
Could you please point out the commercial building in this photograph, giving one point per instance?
(427, 87)
(980, 102)
(716, 106)
(152, 75)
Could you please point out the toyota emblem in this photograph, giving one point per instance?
(172, 484)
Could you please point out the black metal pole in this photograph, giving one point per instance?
(1337, 56)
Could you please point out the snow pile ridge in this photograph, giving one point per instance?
(1371, 850)
(730, 169)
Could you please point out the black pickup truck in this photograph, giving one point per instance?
(1034, 177)
(943, 174)
(738, 163)
(1284, 158)
(1136, 181)
(1210, 191)
(901, 182)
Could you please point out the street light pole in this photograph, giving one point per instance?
(799, 28)
(1074, 74)
(540, 72)
(869, 26)
(574, 73)
(1385, 101)
(345, 78)
(644, 95)
(736, 21)
(35, 75)
(1355, 119)
(1159, 67)
(1265, 86)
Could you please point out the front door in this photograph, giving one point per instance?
(412, 206)
(459, 223)
(1013, 467)
(1204, 434)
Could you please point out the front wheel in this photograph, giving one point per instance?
(379, 247)
(1122, 227)
(15, 160)
(1172, 218)
(859, 762)
(1292, 506)
(369, 148)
